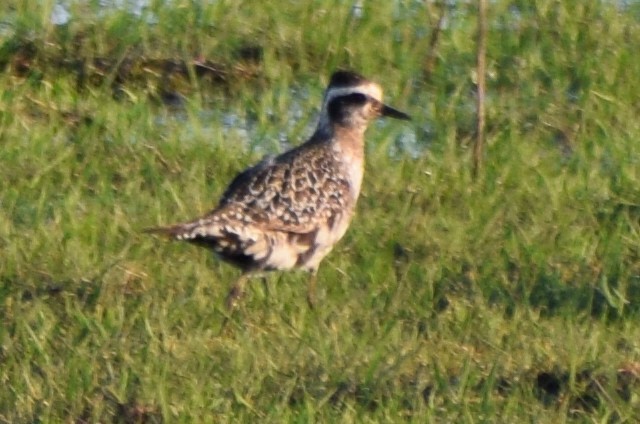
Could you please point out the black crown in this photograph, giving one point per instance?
(346, 79)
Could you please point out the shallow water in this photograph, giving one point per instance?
(409, 139)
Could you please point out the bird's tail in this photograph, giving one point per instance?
(170, 231)
(177, 231)
(200, 230)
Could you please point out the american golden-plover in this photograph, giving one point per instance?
(289, 211)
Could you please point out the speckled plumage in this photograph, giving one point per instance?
(289, 211)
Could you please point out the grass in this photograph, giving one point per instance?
(513, 297)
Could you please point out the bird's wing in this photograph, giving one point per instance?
(294, 193)
(297, 195)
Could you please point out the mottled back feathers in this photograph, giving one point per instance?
(289, 211)
(294, 192)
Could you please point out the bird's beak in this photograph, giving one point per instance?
(394, 113)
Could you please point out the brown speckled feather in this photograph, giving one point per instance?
(289, 211)
(295, 192)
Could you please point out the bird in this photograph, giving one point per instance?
(288, 211)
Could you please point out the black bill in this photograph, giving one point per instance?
(394, 113)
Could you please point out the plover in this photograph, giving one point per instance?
(287, 212)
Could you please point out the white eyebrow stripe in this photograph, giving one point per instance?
(370, 89)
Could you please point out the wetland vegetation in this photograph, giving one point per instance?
(509, 296)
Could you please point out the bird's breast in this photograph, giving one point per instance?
(350, 156)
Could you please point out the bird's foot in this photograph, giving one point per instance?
(311, 292)
(233, 297)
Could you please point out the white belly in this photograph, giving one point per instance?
(325, 240)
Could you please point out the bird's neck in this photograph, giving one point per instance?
(348, 141)
(348, 146)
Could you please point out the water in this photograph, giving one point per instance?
(410, 139)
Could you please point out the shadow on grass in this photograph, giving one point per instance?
(25, 57)
(130, 411)
(552, 297)
(610, 298)
(553, 387)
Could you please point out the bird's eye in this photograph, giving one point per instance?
(353, 99)
(356, 98)
(342, 107)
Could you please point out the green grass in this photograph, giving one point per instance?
(513, 297)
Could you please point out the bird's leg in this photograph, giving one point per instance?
(265, 284)
(236, 292)
(311, 289)
(233, 297)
